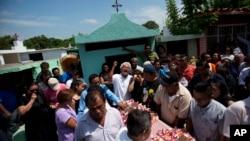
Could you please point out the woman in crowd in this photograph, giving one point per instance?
(77, 86)
(36, 115)
(220, 92)
(162, 53)
(104, 76)
(216, 60)
(66, 115)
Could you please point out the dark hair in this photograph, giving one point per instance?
(47, 73)
(222, 70)
(203, 87)
(222, 86)
(75, 83)
(65, 95)
(92, 76)
(147, 45)
(138, 121)
(93, 93)
(29, 84)
(184, 56)
(44, 64)
(203, 56)
(202, 63)
(161, 46)
(54, 69)
(104, 64)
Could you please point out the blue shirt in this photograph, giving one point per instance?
(107, 93)
(8, 99)
(89, 130)
(65, 77)
(208, 121)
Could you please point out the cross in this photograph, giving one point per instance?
(16, 36)
(116, 5)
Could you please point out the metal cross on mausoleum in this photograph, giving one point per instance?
(116, 5)
(16, 36)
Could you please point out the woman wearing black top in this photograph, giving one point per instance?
(36, 115)
(220, 92)
(77, 86)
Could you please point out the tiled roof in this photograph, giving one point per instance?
(118, 28)
(229, 11)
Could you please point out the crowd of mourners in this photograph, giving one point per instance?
(203, 95)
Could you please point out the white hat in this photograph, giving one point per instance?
(53, 84)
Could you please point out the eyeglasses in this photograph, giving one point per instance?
(34, 90)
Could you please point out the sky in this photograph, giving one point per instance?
(63, 19)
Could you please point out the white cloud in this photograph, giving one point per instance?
(24, 22)
(142, 15)
(91, 21)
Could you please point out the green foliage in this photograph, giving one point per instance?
(189, 21)
(6, 42)
(151, 25)
(37, 42)
(194, 17)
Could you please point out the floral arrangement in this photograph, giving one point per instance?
(174, 134)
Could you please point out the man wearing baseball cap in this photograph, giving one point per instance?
(172, 99)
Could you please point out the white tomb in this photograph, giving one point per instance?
(18, 45)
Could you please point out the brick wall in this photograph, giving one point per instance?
(202, 44)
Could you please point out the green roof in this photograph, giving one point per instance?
(118, 28)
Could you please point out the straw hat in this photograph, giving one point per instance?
(68, 60)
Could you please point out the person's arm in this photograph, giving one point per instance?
(111, 72)
(157, 100)
(189, 126)
(71, 123)
(110, 95)
(129, 50)
(123, 105)
(131, 84)
(82, 104)
(158, 110)
(103, 81)
(7, 114)
(156, 56)
(179, 122)
(25, 108)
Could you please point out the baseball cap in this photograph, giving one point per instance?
(149, 68)
(53, 84)
(169, 78)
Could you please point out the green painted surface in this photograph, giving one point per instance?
(35, 66)
(19, 135)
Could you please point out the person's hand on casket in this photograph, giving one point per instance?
(122, 105)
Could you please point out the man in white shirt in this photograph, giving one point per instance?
(237, 113)
(123, 82)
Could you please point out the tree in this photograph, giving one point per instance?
(195, 17)
(6, 42)
(151, 25)
(37, 42)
